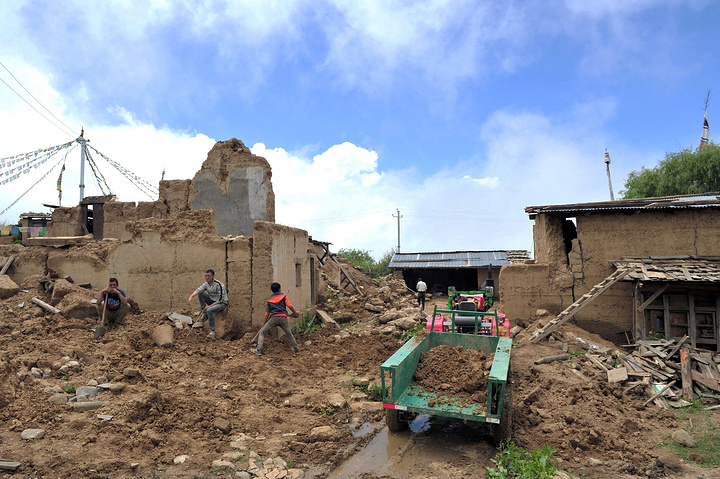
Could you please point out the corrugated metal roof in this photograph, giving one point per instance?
(705, 200)
(454, 259)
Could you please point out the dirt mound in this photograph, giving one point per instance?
(455, 372)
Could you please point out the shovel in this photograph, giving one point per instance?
(100, 330)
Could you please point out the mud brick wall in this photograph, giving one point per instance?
(529, 287)
(65, 222)
(239, 278)
(602, 237)
(280, 254)
(236, 184)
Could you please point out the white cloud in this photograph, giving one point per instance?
(491, 182)
(141, 148)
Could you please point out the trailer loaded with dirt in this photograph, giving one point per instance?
(484, 394)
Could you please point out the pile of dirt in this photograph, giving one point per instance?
(455, 372)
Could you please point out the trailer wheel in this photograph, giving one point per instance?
(394, 421)
(503, 431)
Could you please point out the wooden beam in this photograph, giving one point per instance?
(677, 346)
(652, 298)
(45, 306)
(686, 375)
(347, 276)
(659, 393)
(8, 263)
(550, 359)
(706, 381)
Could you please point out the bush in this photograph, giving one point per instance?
(408, 334)
(360, 258)
(515, 462)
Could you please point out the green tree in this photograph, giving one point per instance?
(684, 172)
(360, 258)
(381, 267)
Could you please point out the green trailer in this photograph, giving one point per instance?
(403, 398)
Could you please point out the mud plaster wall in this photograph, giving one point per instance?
(173, 200)
(236, 184)
(603, 238)
(239, 278)
(529, 287)
(65, 222)
(157, 274)
(276, 251)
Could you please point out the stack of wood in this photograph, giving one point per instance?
(671, 371)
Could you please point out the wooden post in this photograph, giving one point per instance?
(686, 374)
(45, 306)
(8, 263)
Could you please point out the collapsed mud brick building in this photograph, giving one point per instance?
(663, 255)
(465, 270)
(221, 219)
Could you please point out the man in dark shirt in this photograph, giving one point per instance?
(117, 303)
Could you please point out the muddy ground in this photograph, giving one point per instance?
(204, 400)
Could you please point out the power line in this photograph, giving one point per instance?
(33, 96)
(38, 111)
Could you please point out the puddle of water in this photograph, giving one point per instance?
(420, 423)
(429, 440)
(373, 457)
(362, 430)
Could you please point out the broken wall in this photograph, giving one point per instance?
(563, 276)
(280, 254)
(529, 287)
(610, 236)
(66, 221)
(173, 199)
(236, 184)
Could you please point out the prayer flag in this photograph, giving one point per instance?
(59, 181)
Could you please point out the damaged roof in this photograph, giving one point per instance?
(458, 259)
(704, 200)
(705, 269)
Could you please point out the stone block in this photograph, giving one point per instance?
(228, 325)
(8, 287)
(77, 305)
(30, 434)
(223, 425)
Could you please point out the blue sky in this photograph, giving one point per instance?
(457, 113)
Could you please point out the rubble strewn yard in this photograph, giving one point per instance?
(124, 407)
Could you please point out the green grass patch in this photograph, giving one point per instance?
(307, 324)
(375, 392)
(408, 334)
(70, 388)
(705, 432)
(515, 462)
(217, 470)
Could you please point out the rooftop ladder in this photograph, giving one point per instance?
(570, 311)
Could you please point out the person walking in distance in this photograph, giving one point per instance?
(213, 298)
(276, 315)
(421, 288)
